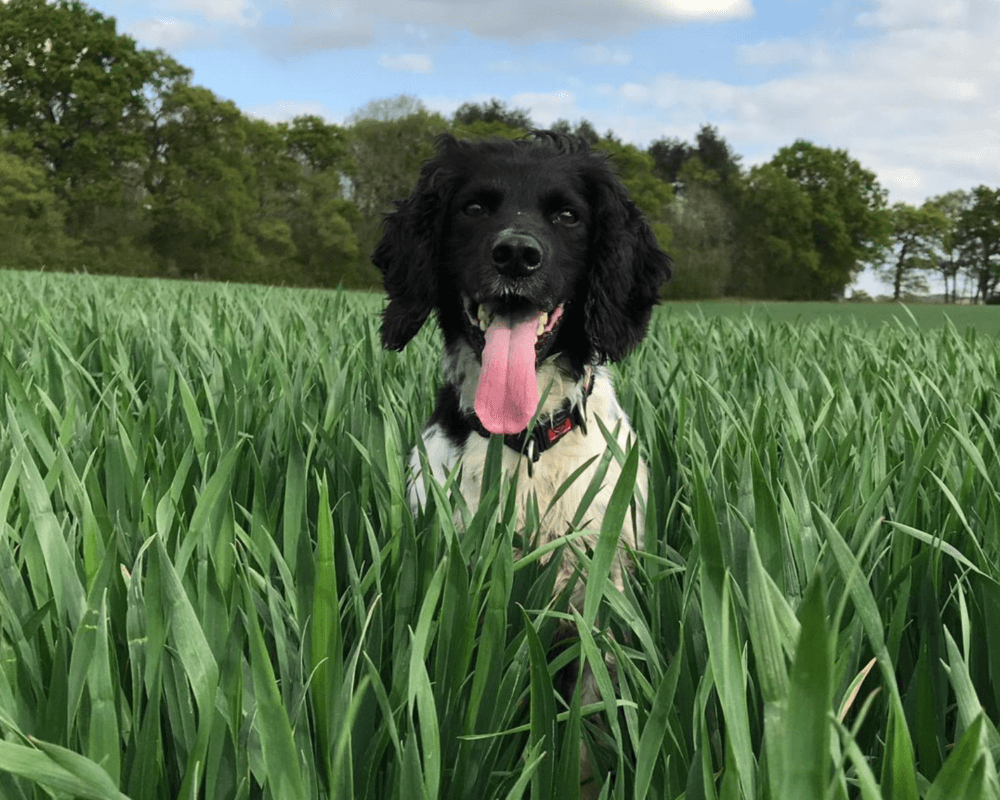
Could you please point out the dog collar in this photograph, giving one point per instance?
(533, 441)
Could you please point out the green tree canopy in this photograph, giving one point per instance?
(385, 156)
(915, 230)
(848, 226)
(81, 93)
(715, 162)
(315, 143)
(31, 216)
(493, 111)
(584, 129)
(778, 254)
(978, 233)
(949, 257)
(199, 184)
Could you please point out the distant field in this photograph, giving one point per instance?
(211, 585)
(985, 319)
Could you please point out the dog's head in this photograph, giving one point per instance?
(525, 249)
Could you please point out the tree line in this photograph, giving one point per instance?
(112, 161)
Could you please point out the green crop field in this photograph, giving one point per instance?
(211, 586)
(985, 319)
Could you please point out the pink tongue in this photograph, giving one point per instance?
(507, 394)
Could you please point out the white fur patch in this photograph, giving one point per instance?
(554, 465)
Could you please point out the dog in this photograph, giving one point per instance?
(541, 271)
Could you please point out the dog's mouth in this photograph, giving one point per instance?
(512, 337)
(482, 315)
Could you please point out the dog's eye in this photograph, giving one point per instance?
(567, 217)
(473, 210)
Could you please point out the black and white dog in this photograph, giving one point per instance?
(541, 269)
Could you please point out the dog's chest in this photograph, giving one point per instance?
(548, 475)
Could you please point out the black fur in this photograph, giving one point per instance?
(607, 265)
(448, 415)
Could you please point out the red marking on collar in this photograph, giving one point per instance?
(556, 432)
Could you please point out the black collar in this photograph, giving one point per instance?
(533, 441)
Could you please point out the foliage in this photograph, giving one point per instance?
(198, 185)
(210, 584)
(634, 167)
(493, 112)
(387, 109)
(812, 218)
(701, 244)
(708, 180)
(915, 231)
(31, 216)
(978, 231)
(778, 256)
(583, 128)
(717, 156)
(710, 160)
(385, 160)
(949, 256)
(79, 91)
(849, 226)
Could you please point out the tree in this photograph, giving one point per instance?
(323, 226)
(31, 217)
(707, 178)
(200, 182)
(387, 109)
(669, 155)
(384, 162)
(717, 156)
(494, 111)
(650, 194)
(317, 145)
(978, 232)
(714, 162)
(80, 92)
(777, 257)
(635, 168)
(848, 223)
(949, 255)
(911, 252)
(322, 223)
(701, 243)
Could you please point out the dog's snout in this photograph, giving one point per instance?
(516, 254)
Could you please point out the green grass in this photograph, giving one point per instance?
(211, 587)
(985, 319)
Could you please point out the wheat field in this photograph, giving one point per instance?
(211, 585)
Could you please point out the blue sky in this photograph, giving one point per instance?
(911, 88)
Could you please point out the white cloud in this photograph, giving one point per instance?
(547, 107)
(286, 111)
(790, 52)
(635, 93)
(241, 13)
(603, 55)
(518, 67)
(704, 9)
(169, 34)
(901, 180)
(414, 30)
(410, 62)
(316, 25)
(899, 14)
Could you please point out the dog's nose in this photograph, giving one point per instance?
(516, 255)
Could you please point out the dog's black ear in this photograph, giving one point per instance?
(407, 254)
(627, 268)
